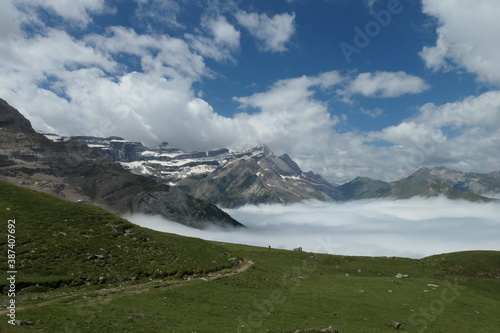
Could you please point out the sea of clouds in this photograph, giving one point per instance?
(413, 228)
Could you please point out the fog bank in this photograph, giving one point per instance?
(413, 228)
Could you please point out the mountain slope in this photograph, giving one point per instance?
(221, 177)
(73, 171)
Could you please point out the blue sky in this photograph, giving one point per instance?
(347, 88)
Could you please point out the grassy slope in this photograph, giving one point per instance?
(58, 243)
(284, 291)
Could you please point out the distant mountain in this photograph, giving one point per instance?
(480, 183)
(75, 172)
(222, 177)
(415, 184)
(365, 188)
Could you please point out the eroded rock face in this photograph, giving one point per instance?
(73, 171)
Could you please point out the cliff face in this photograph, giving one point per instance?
(73, 171)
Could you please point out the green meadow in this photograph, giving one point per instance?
(82, 269)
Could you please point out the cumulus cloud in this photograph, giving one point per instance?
(409, 133)
(385, 84)
(224, 39)
(482, 110)
(224, 32)
(164, 12)
(77, 86)
(75, 11)
(272, 33)
(411, 228)
(163, 54)
(462, 135)
(377, 112)
(466, 37)
(288, 111)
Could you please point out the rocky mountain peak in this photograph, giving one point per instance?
(261, 149)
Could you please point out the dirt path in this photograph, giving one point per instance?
(143, 287)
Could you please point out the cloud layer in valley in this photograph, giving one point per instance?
(414, 228)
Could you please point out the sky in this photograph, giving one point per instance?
(346, 88)
(413, 228)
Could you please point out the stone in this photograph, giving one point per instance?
(395, 324)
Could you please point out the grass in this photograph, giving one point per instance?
(283, 291)
(60, 243)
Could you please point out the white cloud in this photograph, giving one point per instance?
(224, 32)
(56, 52)
(474, 126)
(271, 33)
(75, 11)
(463, 135)
(224, 39)
(163, 54)
(466, 36)
(409, 133)
(377, 112)
(288, 111)
(163, 12)
(385, 84)
(411, 228)
(482, 110)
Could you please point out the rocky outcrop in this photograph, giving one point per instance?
(73, 171)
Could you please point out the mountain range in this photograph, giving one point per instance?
(222, 177)
(427, 182)
(258, 176)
